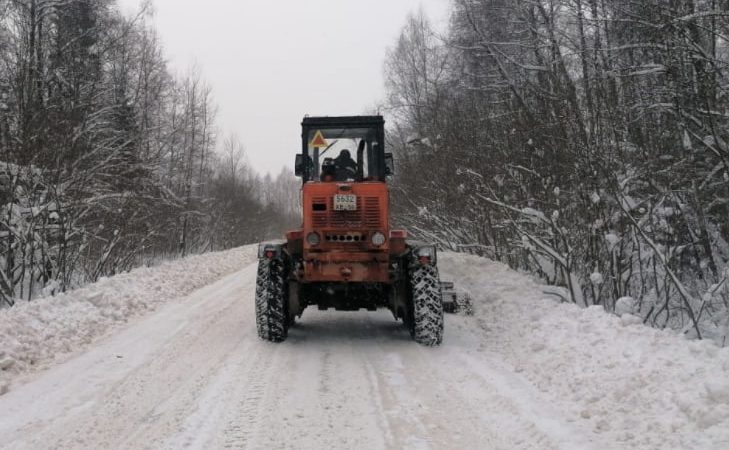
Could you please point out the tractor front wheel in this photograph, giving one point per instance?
(272, 319)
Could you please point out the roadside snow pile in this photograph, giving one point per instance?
(33, 334)
(634, 386)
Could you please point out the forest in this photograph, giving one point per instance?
(107, 157)
(583, 141)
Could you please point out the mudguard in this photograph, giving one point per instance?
(276, 246)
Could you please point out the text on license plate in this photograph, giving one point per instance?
(345, 202)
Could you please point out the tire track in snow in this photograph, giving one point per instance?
(246, 416)
(408, 431)
(510, 394)
(341, 380)
(137, 388)
(420, 407)
(325, 398)
(444, 398)
(199, 370)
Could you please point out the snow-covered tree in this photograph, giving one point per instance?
(580, 139)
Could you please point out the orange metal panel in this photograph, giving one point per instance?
(345, 251)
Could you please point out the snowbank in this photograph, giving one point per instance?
(633, 386)
(34, 334)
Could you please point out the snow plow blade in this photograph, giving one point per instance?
(453, 301)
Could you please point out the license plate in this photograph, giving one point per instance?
(345, 202)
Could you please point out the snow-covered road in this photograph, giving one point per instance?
(193, 374)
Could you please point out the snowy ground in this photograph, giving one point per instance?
(624, 384)
(523, 373)
(38, 333)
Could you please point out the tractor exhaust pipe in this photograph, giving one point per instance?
(360, 163)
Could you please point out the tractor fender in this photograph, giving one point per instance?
(420, 249)
(276, 246)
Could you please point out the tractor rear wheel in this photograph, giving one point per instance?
(272, 319)
(426, 305)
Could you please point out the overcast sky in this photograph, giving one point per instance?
(271, 62)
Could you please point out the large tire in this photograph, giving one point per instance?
(272, 319)
(426, 305)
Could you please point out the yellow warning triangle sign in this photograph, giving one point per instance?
(319, 140)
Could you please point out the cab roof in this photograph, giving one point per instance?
(342, 121)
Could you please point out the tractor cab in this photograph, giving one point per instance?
(328, 143)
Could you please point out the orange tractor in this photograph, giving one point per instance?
(345, 256)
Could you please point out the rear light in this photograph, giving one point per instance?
(269, 250)
(313, 239)
(425, 255)
(378, 238)
(294, 235)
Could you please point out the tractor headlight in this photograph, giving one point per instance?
(378, 238)
(313, 239)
